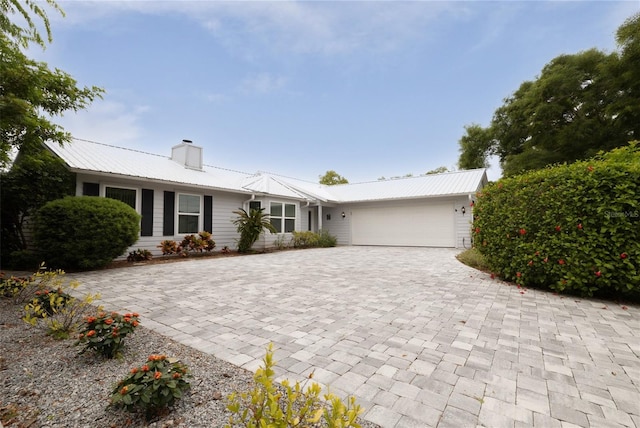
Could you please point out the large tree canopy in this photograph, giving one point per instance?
(580, 104)
(31, 93)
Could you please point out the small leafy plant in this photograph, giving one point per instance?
(169, 247)
(267, 406)
(203, 241)
(13, 285)
(310, 239)
(105, 333)
(250, 225)
(153, 387)
(51, 302)
(139, 255)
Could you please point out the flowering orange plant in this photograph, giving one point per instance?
(153, 387)
(105, 332)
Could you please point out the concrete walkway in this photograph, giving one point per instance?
(420, 339)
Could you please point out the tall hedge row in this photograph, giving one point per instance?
(568, 228)
(85, 232)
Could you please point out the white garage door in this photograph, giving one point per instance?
(424, 225)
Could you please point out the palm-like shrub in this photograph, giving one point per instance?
(250, 225)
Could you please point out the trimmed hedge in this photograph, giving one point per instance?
(573, 228)
(85, 232)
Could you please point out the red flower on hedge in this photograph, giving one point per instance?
(590, 168)
(580, 226)
(558, 228)
(477, 230)
(134, 370)
(124, 390)
(598, 274)
(523, 231)
(108, 321)
(530, 263)
(145, 368)
(157, 375)
(518, 274)
(561, 261)
(91, 333)
(623, 256)
(91, 319)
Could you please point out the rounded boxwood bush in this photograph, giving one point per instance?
(570, 228)
(85, 232)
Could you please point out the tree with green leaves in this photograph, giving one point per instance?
(331, 178)
(30, 92)
(579, 105)
(251, 225)
(35, 178)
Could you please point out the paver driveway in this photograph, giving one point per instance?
(420, 339)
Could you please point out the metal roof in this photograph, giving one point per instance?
(92, 157)
(431, 185)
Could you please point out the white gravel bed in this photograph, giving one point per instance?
(46, 383)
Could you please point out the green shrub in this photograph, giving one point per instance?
(472, 257)
(105, 333)
(85, 232)
(266, 406)
(311, 239)
(326, 240)
(305, 239)
(573, 228)
(152, 388)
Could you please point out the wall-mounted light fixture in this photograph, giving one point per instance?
(463, 210)
(343, 214)
(328, 216)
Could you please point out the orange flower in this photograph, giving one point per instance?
(145, 368)
(114, 334)
(91, 319)
(561, 261)
(176, 376)
(135, 314)
(157, 375)
(134, 370)
(127, 319)
(91, 333)
(135, 323)
(124, 390)
(114, 314)
(108, 321)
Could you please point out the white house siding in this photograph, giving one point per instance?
(463, 222)
(336, 225)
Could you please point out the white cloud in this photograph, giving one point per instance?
(297, 27)
(108, 122)
(262, 83)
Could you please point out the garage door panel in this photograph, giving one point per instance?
(429, 225)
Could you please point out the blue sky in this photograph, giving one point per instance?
(368, 89)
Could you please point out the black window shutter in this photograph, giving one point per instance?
(90, 189)
(208, 214)
(146, 227)
(168, 222)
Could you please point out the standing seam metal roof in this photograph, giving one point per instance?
(87, 156)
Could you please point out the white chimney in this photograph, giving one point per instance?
(187, 155)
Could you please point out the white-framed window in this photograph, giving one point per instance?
(123, 194)
(283, 217)
(188, 213)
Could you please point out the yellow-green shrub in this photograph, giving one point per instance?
(294, 406)
(569, 227)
